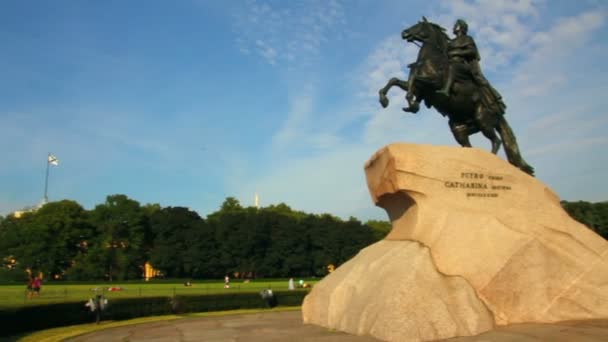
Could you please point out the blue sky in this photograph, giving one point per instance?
(185, 103)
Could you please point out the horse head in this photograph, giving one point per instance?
(417, 33)
(432, 55)
(425, 32)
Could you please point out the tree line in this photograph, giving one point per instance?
(593, 215)
(115, 239)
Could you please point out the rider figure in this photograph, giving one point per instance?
(462, 51)
(463, 54)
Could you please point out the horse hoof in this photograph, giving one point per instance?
(412, 109)
(383, 101)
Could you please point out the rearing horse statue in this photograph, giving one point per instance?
(471, 106)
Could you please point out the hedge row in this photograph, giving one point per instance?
(32, 318)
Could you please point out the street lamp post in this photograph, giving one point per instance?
(46, 181)
(51, 159)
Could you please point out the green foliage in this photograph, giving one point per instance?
(230, 204)
(118, 243)
(380, 228)
(176, 233)
(29, 318)
(127, 308)
(12, 276)
(114, 240)
(593, 215)
(48, 240)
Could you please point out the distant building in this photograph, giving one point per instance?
(20, 213)
(150, 272)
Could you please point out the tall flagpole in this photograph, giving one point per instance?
(46, 181)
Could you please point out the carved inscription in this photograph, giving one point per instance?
(477, 184)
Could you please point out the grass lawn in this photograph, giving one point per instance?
(16, 295)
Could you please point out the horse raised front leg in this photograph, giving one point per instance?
(392, 82)
(413, 104)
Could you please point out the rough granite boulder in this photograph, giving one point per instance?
(474, 243)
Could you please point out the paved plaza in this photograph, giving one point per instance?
(287, 326)
(258, 327)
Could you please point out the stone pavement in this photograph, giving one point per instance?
(258, 327)
(287, 326)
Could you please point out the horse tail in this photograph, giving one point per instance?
(510, 146)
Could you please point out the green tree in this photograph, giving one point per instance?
(355, 236)
(234, 230)
(50, 239)
(14, 247)
(380, 228)
(204, 252)
(230, 204)
(118, 249)
(324, 242)
(593, 215)
(117, 237)
(286, 248)
(175, 232)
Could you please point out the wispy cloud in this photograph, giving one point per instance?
(308, 116)
(538, 64)
(293, 38)
(266, 51)
(291, 35)
(502, 28)
(553, 52)
(558, 102)
(390, 59)
(534, 71)
(297, 125)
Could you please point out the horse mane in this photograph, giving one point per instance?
(441, 30)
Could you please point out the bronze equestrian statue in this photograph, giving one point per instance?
(447, 76)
